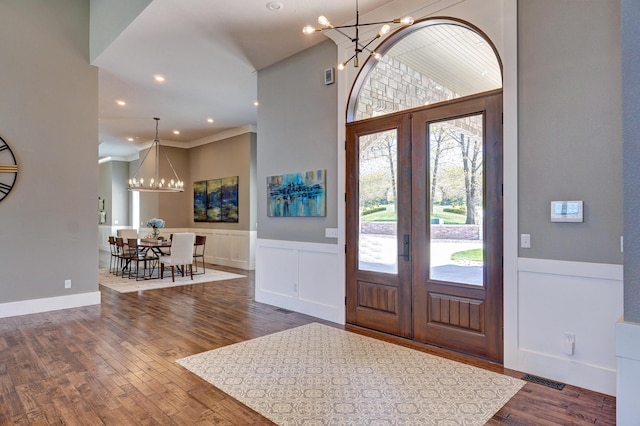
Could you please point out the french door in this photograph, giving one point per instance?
(424, 224)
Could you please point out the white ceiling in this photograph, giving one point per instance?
(209, 51)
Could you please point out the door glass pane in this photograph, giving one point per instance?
(456, 210)
(377, 242)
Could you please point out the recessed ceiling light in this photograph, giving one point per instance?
(275, 6)
(159, 78)
(176, 132)
(120, 102)
(209, 120)
(130, 139)
(256, 103)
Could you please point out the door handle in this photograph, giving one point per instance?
(405, 245)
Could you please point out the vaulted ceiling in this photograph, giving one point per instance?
(209, 52)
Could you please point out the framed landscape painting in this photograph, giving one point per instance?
(200, 201)
(213, 200)
(229, 199)
(297, 194)
(221, 197)
(216, 200)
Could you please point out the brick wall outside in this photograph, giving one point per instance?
(392, 86)
(438, 232)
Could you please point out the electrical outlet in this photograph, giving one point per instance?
(525, 240)
(67, 283)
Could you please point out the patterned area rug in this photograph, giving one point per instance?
(319, 375)
(126, 285)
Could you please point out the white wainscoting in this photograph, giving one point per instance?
(558, 297)
(628, 353)
(104, 232)
(301, 277)
(223, 247)
(229, 248)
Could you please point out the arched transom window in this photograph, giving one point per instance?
(436, 61)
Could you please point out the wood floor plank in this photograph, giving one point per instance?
(115, 364)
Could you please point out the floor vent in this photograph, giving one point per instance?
(545, 382)
(283, 311)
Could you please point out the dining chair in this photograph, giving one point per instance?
(137, 255)
(113, 260)
(198, 252)
(127, 234)
(124, 256)
(181, 254)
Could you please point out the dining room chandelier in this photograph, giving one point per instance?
(156, 183)
(359, 46)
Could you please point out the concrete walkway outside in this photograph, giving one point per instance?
(379, 253)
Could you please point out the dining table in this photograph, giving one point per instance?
(156, 246)
(151, 251)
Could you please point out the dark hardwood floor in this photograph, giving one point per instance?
(114, 364)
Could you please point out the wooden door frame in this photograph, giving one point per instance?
(493, 346)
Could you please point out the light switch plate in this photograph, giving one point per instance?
(331, 232)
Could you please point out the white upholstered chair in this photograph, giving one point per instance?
(181, 254)
(127, 234)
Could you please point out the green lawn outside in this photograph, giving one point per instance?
(390, 216)
(474, 255)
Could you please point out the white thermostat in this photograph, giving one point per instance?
(566, 211)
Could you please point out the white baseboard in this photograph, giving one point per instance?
(576, 373)
(35, 306)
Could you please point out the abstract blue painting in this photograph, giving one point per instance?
(200, 201)
(222, 199)
(216, 200)
(297, 194)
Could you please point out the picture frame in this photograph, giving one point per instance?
(200, 201)
(329, 75)
(300, 194)
(216, 200)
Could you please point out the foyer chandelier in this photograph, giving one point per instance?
(155, 183)
(359, 46)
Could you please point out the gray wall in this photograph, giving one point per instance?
(630, 10)
(49, 116)
(297, 132)
(119, 194)
(570, 141)
(112, 188)
(171, 206)
(253, 191)
(235, 156)
(229, 157)
(105, 179)
(109, 18)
